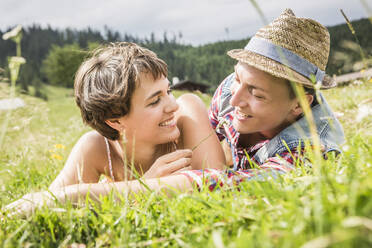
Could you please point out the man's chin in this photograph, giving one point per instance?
(240, 128)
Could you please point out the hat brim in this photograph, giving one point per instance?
(277, 69)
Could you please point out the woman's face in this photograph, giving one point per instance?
(151, 118)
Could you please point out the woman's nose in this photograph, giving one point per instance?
(171, 105)
(237, 98)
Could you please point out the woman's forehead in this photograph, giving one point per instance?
(148, 86)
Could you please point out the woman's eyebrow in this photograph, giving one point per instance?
(154, 94)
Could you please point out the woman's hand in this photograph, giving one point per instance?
(28, 203)
(169, 163)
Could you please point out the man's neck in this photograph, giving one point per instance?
(248, 140)
(251, 139)
(275, 131)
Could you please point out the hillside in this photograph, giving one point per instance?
(207, 63)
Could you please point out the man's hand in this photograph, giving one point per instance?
(169, 163)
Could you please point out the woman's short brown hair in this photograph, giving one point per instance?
(105, 82)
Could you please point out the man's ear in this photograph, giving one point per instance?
(297, 110)
(116, 123)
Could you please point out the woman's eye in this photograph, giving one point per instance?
(169, 91)
(155, 102)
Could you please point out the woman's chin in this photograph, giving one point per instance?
(173, 136)
(167, 137)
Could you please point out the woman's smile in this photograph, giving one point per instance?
(169, 123)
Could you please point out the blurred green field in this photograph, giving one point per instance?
(332, 209)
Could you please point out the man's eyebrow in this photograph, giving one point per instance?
(255, 87)
(249, 85)
(236, 73)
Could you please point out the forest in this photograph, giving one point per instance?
(53, 55)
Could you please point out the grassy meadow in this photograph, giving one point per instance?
(332, 208)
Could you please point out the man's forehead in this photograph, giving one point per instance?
(257, 78)
(250, 76)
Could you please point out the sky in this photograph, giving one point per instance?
(199, 21)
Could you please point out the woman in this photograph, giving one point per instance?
(140, 130)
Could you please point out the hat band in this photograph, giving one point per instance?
(286, 57)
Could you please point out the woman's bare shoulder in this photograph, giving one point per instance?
(92, 149)
(92, 142)
(84, 161)
(196, 131)
(190, 101)
(92, 136)
(191, 106)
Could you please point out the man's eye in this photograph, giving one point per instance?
(233, 88)
(259, 97)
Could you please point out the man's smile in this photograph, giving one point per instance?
(241, 116)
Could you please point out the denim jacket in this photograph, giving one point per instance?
(328, 128)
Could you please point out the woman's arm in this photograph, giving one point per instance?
(77, 193)
(168, 184)
(83, 163)
(195, 127)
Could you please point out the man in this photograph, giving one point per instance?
(255, 109)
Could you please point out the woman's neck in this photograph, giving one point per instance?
(141, 154)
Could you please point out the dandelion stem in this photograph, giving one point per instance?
(356, 39)
(220, 123)
(204, 139)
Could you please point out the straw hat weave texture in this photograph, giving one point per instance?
(303, 37)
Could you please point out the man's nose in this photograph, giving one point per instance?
(237, 98)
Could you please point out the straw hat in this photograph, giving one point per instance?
(292, 48)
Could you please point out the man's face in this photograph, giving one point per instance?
(262, 103)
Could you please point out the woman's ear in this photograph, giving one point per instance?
(297, 110)
(116, 123)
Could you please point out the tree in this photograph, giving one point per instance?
(205, 63)
(61, 63)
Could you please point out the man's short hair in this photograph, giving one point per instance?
(105, 82)
(308, 91)
(292, 94)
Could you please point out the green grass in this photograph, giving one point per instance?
(332, 209)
